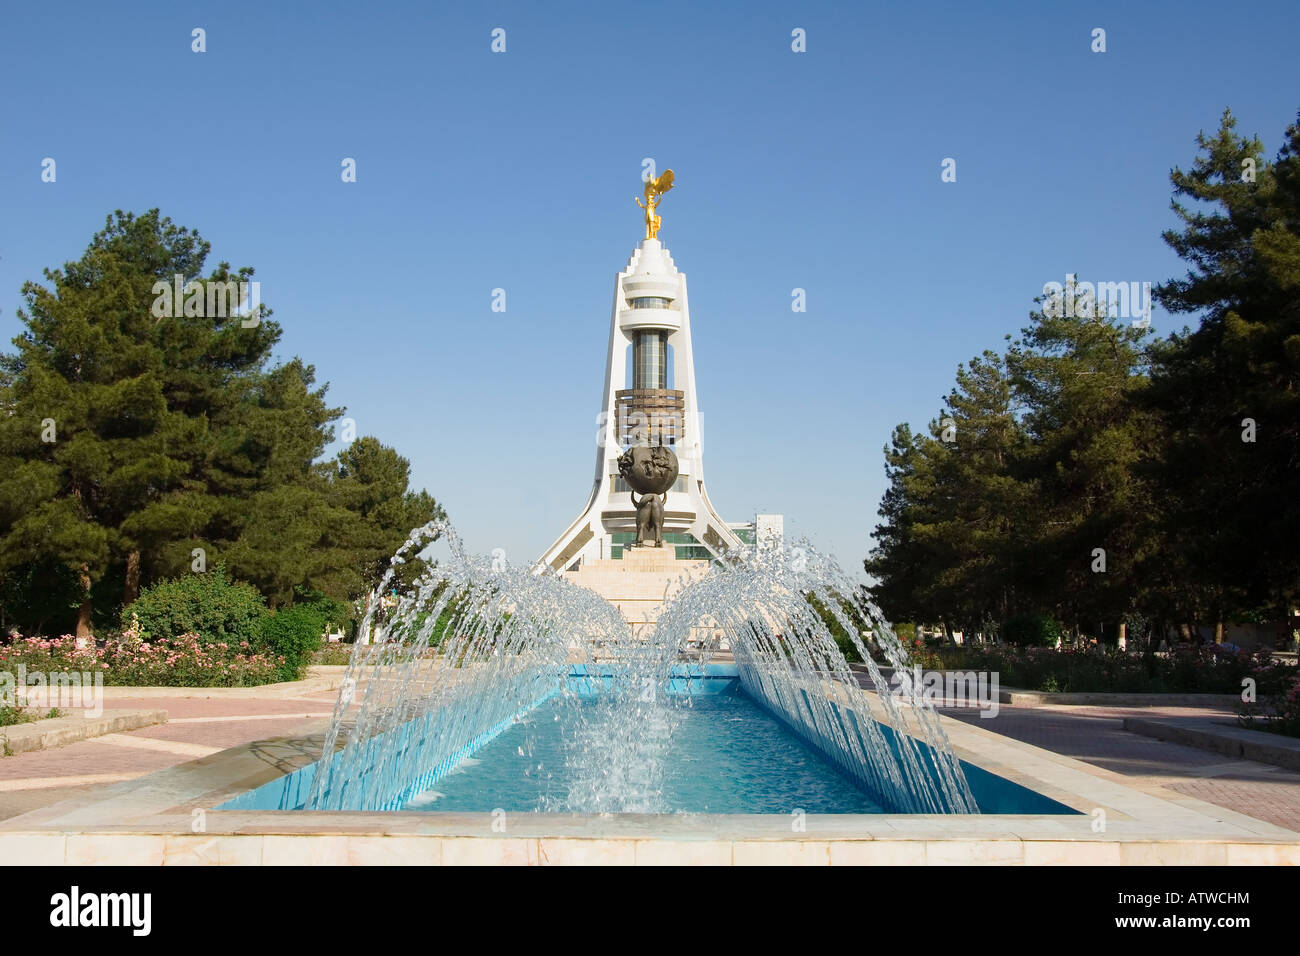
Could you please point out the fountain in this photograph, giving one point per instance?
(789, 662)
(471, 648)
(474, 648)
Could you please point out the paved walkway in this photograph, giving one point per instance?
(195, 727)
(1096, 735)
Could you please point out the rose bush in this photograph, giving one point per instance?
(128, 660)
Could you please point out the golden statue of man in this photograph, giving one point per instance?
(654, 191)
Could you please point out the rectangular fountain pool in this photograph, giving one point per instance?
(727, 755)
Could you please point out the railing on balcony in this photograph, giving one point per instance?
(649, 416)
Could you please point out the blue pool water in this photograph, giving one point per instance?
(726, 756)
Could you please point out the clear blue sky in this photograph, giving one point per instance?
(477, 170)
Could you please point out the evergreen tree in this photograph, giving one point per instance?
(1227, 392)
(947, 547)
(134, 434)
(372, 482)
(902, 566)
(332, 529)
(1076, 375)
(986, 502)
(111, 405)
(1174, 465)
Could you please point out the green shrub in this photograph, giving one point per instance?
(843, 640)
(442, 628)
(335, 654)
(292, 633)
(1278, 707)
(1031, 630)
(846, 646)
(332, 612)
(209, 605)
(13, 714)
(905, 631)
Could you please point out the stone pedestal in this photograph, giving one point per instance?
(638, 583)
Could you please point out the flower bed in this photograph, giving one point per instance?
(129, 661)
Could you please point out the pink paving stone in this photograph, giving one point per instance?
(177, 707)
(1095, 735)
(93, 758)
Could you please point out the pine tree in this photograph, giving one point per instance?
(987, 502)
(372, 481)
(1227, 392)
(138, 445)
(110, 407)
(947, 547)
(903, 568)
(1076, 373)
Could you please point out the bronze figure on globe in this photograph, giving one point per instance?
(650, 470)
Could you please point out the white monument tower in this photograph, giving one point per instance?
(650, 331)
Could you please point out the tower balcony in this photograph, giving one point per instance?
(637, 320)
(644, 284)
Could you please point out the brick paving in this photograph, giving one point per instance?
(194, 720)
(1096, 735)
(196, 725)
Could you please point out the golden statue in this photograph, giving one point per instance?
(654, 191)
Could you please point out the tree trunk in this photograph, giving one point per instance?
(947, 632)
(1123, 636)
(1218, 632)
(84, 627)
(132, 590)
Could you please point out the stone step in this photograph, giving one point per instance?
(639, 582)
